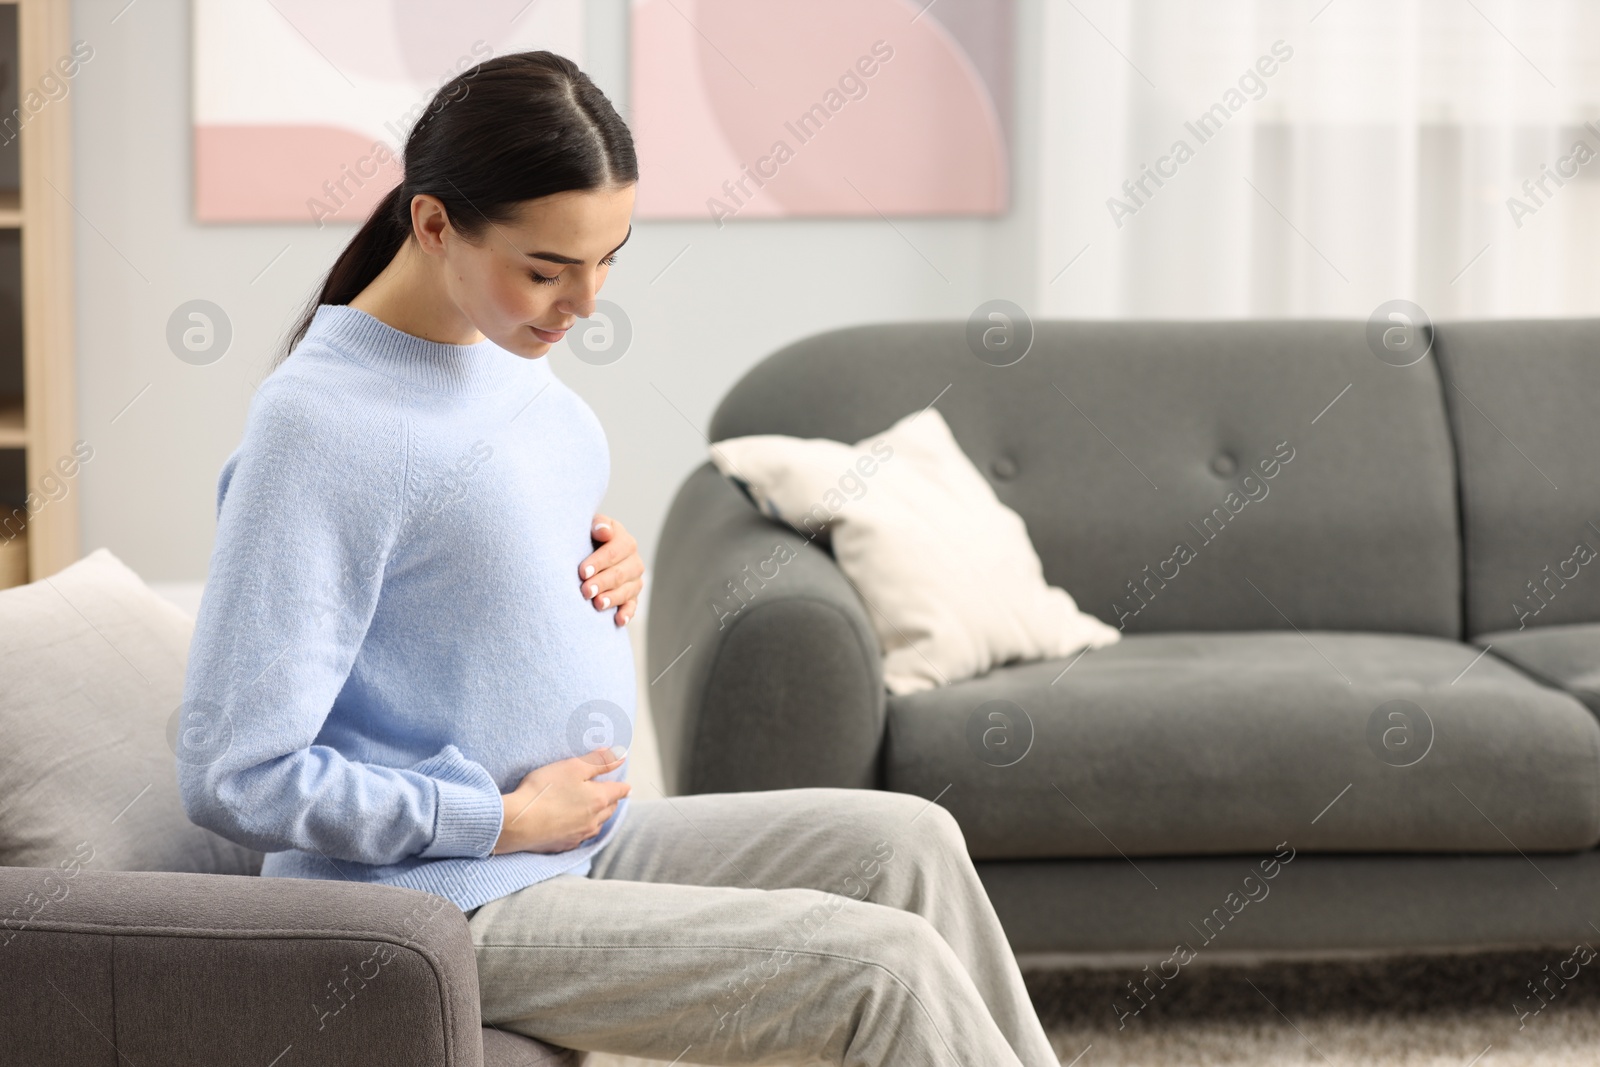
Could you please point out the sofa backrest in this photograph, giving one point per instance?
(1172, 475)
(1523, 399)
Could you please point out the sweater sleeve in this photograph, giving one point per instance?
(310, 507)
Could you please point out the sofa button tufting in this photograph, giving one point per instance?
(1004, 468)
(1224, 464)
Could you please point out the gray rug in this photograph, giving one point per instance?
(1490, 1009)
(1467, 1010)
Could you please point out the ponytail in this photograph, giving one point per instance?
(363, 259)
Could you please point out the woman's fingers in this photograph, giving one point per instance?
(616, 545)
(611, 576)
(610, 581)
(606, 556)
(602, 559)
(618, 596)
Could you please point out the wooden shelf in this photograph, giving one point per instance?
(14, 559)
(40, 423)
(12, 425)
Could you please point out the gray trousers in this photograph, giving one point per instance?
(792, 927)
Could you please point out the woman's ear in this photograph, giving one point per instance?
(429, 221)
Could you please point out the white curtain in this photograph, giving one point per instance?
(1356, 151)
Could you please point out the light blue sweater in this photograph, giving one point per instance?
(392, 632)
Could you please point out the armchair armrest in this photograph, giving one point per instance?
(765, 670)
(188, 969)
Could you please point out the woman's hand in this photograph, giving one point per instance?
(613, 574)
(558, 806)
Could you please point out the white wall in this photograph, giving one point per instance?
(1378, 166)
(734, 296)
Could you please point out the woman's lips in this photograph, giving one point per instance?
(549, 337)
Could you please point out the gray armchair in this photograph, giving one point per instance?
(204, 969)
(129, 935)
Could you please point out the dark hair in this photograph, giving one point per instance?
(532, 125)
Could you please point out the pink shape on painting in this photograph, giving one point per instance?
(683, 153)
(434, 37)
(918, 136)
(271, 173)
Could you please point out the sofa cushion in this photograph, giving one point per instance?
(93, 663)
(1521, 397)
(1197, 743)
(1566, 657)
(1307, 482)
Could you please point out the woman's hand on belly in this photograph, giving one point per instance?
(613, 574)
(559, 806)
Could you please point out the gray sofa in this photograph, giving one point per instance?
(1380, 664)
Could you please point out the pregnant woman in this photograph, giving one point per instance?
(410, 663)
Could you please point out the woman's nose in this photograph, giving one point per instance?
(583, 304)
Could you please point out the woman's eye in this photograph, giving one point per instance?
(552, 279)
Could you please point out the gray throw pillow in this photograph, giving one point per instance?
(91, 678)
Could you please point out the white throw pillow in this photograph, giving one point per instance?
(949, 576)
(92, 662)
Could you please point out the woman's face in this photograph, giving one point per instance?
(527, 282)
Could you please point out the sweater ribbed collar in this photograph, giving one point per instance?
(455, 370)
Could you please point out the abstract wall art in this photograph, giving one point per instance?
(301, 107)
(821, 108)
